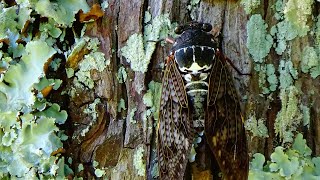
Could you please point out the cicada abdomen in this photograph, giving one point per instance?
(198, 95)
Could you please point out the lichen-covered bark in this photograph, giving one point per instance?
(122, 140)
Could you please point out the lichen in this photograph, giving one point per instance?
(139, 162)
(287, 74)
(259, 41)
(290, 115)
(152, 99)
(91, 110)
(62, 11)
(297, 12)
(310, 62)
(122, 75)
(306, 115)
(256, 127)
(283, 32)
(94, 60)
(250, 5)
(19, 79)
(131, 116)
(295, 162)
(121, 105)
(139, 48)
(192, 7)
(268, 81)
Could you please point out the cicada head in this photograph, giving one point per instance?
(194, 49)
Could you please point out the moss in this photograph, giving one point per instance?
(290, 115)
(139, 48)
(259, 41)
(256, 127)
(250, 5)
(297, 12)
(139, 162)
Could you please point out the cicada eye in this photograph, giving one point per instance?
(206, 27)
(179, 30)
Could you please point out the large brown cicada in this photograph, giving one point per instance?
(199, 100)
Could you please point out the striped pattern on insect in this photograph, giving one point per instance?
(198, 95)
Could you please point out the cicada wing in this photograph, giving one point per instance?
(224, 126)
(174, 127)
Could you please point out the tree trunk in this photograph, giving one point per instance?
(122, 138)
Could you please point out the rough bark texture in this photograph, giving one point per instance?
(114, 141)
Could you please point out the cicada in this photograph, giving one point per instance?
(199, 99)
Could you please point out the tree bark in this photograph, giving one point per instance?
(115, 142)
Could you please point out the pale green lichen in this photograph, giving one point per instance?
(91, 110)
(104, 5)
(69, 72)
(139, 162)
(20, 78)
(121, 105)
(192, 7)
(122, 75)
(297, 12)
(310, 62)
(62, 11)
(267, 76)
(287, 74)
(283, 32)
(139, 48)
(259, 41)
(92, 61)
(13, 19)
(290, 115)
(256, 127)
(306, 115)
(152, 99)
(80, 167)
(131, 116)
(250, 5)
(294, 163)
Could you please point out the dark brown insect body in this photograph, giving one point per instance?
(198, 96)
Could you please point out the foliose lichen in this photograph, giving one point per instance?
(297, 13)
(310, 62)
(259, 41)
(152, 99)
(250, 5)
(287, 74)
(290, 115)
(139, 162)
(91, 110)
(292, 163)
(256, 127)
(139, 48)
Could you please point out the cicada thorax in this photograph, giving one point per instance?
(195, 63)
